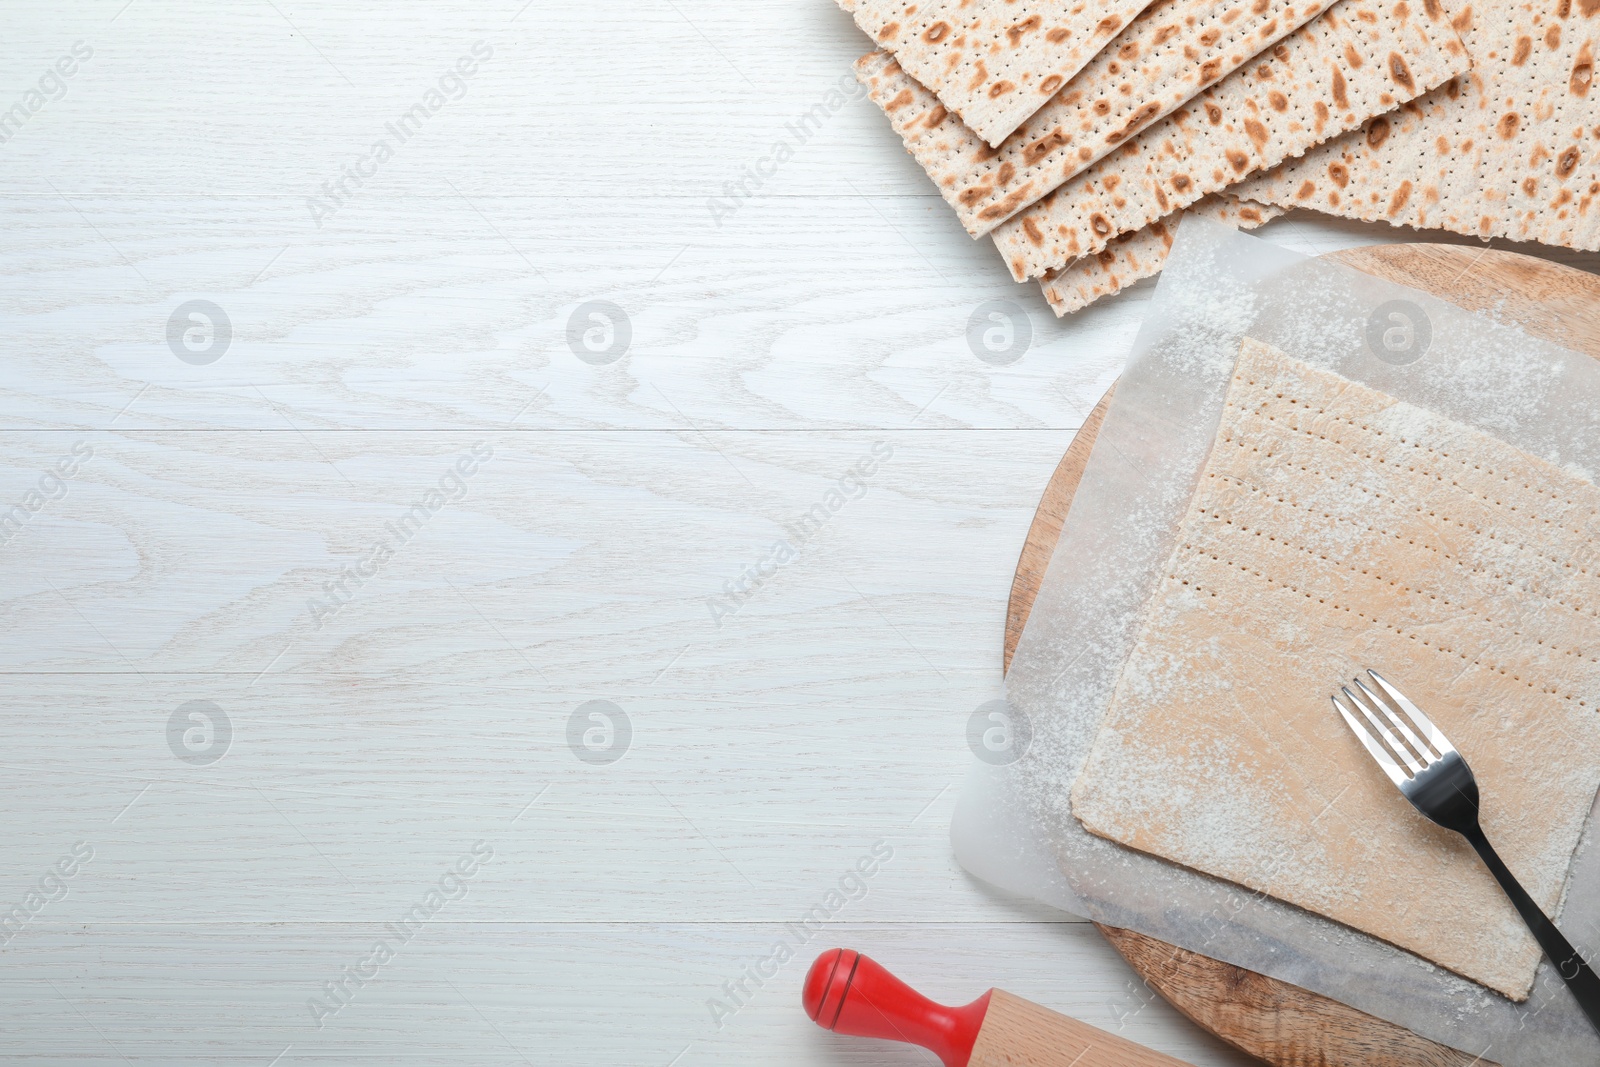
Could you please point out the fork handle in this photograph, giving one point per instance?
(1579, 978)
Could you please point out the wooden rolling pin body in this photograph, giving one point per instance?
(850, 994)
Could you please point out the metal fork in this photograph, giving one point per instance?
(1439, 784)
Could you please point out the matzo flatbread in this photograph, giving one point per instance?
(1141, 254)
(1333, 528)
(1168, 54)
(1359, 59)
(1510, 150)
(994, 62)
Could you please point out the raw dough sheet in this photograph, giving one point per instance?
(1221, 287)
(1333, 528)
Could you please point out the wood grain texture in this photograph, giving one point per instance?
(1274, 1021)
(1020, 1033)
(516, 992)
(773, 340)
(1551, 302)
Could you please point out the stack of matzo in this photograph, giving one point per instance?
(1169, 53)
(1479, 119)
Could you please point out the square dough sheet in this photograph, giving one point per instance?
(1335, 528)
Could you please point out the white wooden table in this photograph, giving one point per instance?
(283, 520)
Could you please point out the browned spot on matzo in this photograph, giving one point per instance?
(1401, 73)
(1398, 201)
(1032, 153)
(1022, 29)
(1582, 71)
(1136, 122)
(1004, 207)
(1341, 94)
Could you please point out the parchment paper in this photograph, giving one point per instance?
(1219, 287)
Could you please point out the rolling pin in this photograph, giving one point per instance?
(850, 994)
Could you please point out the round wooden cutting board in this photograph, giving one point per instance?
(1279, 1023)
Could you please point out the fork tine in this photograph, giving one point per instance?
(1399, 750)
(1439, 742)
(1373, 745)
(1428, 755)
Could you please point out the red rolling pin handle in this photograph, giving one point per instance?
(850, 994)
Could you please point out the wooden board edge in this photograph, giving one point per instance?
(1272, 1020)
(1045, 529)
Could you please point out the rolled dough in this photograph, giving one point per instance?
(1335, 528)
